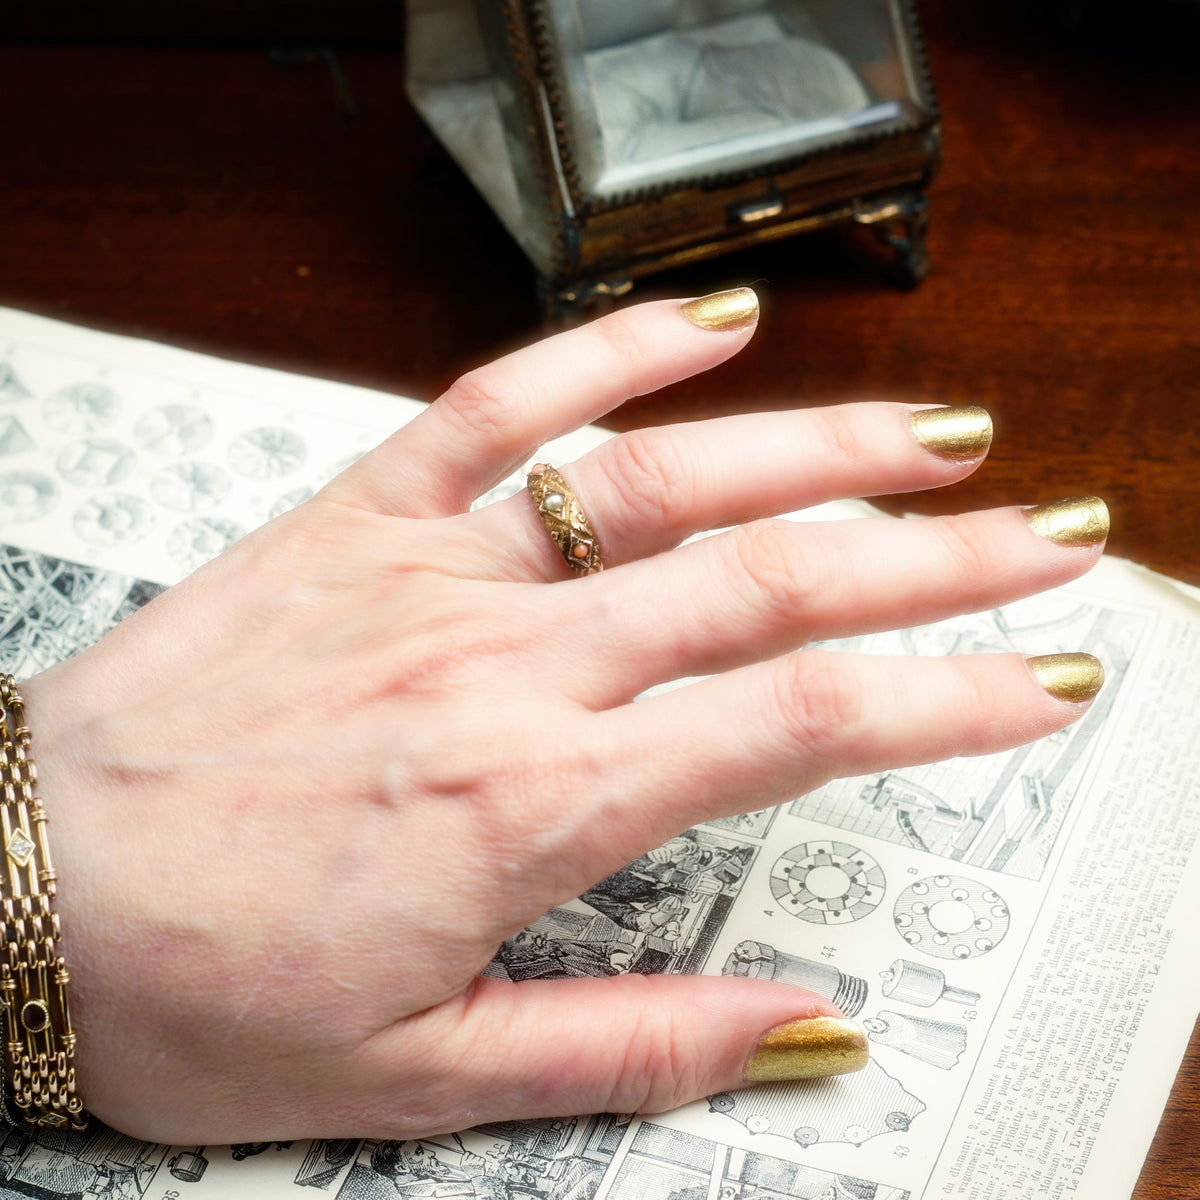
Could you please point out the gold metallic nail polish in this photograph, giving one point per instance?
(958, 434)
(806, 1049)
(1072, 677)
(1080, 521)
(723, 311)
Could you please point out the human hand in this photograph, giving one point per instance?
(298, 801)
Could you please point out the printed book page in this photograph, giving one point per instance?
(1017, 933)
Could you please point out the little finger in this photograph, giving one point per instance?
(767, 733)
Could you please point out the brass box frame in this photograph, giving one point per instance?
(601, 245)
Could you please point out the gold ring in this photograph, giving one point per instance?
(565, 520)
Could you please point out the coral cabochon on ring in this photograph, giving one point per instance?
(958, 434)
(564, 519)
(723, 311)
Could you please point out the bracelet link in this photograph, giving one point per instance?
(40, 1040)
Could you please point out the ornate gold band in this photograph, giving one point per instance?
(565, 520)
(39, 1040)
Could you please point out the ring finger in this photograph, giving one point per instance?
(767, 587)
(646, 491)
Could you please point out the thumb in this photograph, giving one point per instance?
(631, 1043)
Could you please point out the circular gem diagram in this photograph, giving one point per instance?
(26, 495)
(827, 883)
(950, 916)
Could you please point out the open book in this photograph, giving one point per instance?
(1018, 933)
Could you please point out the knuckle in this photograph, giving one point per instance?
(820, 707)
(659, 1068)
(648, 472)
(444, 658)
(981, 697)
(488, 400)
(840, 433)
(969, 556)
(504, 791)
(625, 338)
(778, 572)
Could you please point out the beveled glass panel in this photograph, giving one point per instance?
(659, 92)
(459, 80)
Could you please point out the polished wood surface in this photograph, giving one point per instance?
(248, 205)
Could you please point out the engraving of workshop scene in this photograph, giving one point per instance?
(670, 1164)
(59, 1164)
(511, 1160)
(660, 913)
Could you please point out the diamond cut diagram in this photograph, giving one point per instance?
(827, 883)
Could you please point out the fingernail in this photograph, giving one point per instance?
(1080, 521)
(957, 433)
(806, 1049)
(722, 311)
(1072, 677)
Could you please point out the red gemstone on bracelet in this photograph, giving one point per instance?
(35, 1016)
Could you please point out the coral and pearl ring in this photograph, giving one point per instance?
(565, 520)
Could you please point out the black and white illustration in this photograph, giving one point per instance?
(827, 883)
(240, 1151)
(1002, 812)
(113, 519)
(112, 451)
(950, 916)
(758, 960)
(660, 913)
(14, 438)
(173, 430)
(26, 496)
(192, 543)
(755, 824)
(267, 452)
(12, 387)
(51, 608)
(95, 462)
(100, 1164)
(324, 1161)
(514, 1160)
(190, 486)
(668, 1164)
(938, 1043)
(290, 500)
(188, 1166)
(843, 1108)
(923, 986)
(81, 408)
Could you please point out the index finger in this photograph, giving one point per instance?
(492, 419)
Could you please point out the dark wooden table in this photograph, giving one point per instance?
(221, 199)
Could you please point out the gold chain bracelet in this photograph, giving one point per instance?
(39, 1042)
